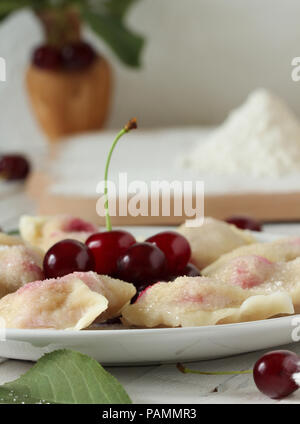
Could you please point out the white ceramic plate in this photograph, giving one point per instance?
(134, 347)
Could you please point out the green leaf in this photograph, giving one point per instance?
(126, 44)
(9, 6)
(118, 8)
(65, 376)
(105, 18)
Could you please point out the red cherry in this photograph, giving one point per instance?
(14, 167)
(142, 263)
(107, 247)
(189, 271)
(67, 256)
(273, 373)
(77, 56)
(175, 247)
(244, 223)
(47, 57)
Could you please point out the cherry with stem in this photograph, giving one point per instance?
(186, 370)
(276, 373)
(108, 246)
(131, 125)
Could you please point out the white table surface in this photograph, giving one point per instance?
(161, 383)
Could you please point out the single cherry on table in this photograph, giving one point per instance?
(273, 373)
(107, 247)
(276, 373)
(14, 167)
(66, 257)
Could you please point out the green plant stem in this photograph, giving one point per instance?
(129, 126)
(185, 370)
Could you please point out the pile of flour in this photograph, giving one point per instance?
(260, 138)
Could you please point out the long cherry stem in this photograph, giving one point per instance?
(131, 125)
(185, 370)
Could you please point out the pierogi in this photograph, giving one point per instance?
(45, 231)
(282, 250)
(242, 280)
(70, 302)
(117, 292)
(68, 305)
(19, 265)
(197, 301)
(259, 275)
(212, 239)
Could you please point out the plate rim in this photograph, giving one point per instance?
(84, 333)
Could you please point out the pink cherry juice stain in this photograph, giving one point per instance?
(79, 225)
(250, 271)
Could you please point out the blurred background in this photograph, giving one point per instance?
(201, 58)
(172, 63)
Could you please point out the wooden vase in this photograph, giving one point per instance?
(69, 102)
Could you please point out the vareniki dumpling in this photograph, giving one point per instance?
(66, 303)
(19, 265)
(44, 231)
(282, 250)
(197, 301)
(70, 302)
(212, 239)
(261, 276)
(117, 292)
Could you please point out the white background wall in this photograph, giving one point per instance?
(202, 57)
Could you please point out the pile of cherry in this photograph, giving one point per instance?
(162, 257)
(116, 253)
(74, 56)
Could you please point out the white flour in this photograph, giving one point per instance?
(261, 138)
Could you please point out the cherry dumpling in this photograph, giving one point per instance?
(282, 250)
(261, 276)
(19, 265)
(212, 239)
(197, 301)
(117, 292)
(71, 302)
(66, 303)
(44, 231)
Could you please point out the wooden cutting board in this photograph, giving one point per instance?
(266, 207)
(147, 154)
